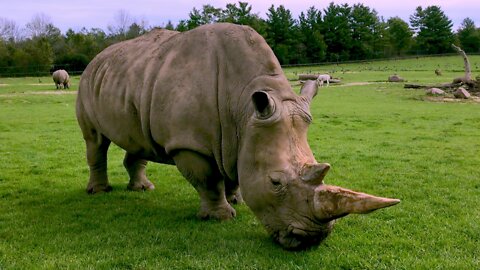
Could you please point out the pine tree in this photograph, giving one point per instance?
(281, 34)
(365, 26)
(433, 29)
(310, 34)
(337, 32)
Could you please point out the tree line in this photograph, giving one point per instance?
(339, 32)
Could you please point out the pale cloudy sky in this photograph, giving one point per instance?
(100, 13)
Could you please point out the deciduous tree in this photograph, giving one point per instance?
(399, 36)
(469, 36)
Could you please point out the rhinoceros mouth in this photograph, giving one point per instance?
(296, 238)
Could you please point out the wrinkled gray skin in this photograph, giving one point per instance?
(214, 102)
(61, 79)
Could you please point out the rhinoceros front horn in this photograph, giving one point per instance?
(309, 90)
(331, 202)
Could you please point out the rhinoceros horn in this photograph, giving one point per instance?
(314, 173)
(331, 202)
(309, 90)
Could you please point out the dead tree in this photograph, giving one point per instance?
(466, 81)
(468, 71)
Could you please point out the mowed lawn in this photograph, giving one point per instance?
(379, 137)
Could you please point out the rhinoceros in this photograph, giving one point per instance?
(215, 102)
(61, 79)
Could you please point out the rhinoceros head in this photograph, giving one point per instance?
(282, 182)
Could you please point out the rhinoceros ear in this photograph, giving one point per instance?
(331, 202)
(264, 105)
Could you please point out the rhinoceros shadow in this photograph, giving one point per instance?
(159, 220)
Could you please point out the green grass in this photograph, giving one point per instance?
(379, 138)
(414, 70)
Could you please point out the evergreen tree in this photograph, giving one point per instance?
(169, 25)
(364, 24)
(207, 15)
(242, 14)
(281, 34)
(469, 36)
(310, 34)
(434, 30)
(182, 26)
(337, 32)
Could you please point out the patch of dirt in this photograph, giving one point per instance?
(472, 99)
(356, 83)
(55, 92)
(3, 84)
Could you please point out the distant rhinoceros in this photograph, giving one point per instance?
(214, 101)
(61, 79)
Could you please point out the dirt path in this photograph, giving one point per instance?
(53, 92)
(473, 99)
(356, 83)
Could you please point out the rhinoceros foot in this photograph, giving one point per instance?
(140, 185)
(93, 188)
(224, 212)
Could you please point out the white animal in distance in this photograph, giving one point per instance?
(323, 77)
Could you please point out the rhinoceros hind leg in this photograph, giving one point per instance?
(136, 170)
(97, 148)
(203, 174)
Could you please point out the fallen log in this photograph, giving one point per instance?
(304, 77)
(445, 86)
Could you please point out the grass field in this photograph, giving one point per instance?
(379, 138)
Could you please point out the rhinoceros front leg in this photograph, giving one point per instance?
(203, 174)
(136, 170)
(97, 148)
(232, 192)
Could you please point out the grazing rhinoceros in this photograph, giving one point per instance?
(215, 102)
(61, 79)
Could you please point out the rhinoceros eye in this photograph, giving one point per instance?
(278, 181)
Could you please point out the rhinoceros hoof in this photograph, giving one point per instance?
(141, 186)
(220, 213)
(93, 189)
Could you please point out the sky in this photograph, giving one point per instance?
(101, 13)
